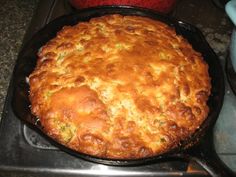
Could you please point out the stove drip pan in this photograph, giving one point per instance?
(36, 140)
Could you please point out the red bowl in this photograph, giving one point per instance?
(164, 6)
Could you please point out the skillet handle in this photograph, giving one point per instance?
(213, 165)
(205, 155)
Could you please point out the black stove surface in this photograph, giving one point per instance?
(25, 152)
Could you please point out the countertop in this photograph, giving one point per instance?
(15, 17)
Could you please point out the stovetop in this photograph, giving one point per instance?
(25, 152)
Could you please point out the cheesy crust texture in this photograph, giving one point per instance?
(119, 87)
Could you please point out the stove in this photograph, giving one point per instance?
(24, 152)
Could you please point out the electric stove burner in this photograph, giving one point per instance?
(25, 152)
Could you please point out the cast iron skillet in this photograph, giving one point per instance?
(198, 147)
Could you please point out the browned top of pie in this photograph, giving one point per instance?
(119, 87)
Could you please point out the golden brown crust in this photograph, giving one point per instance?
(119, 87)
